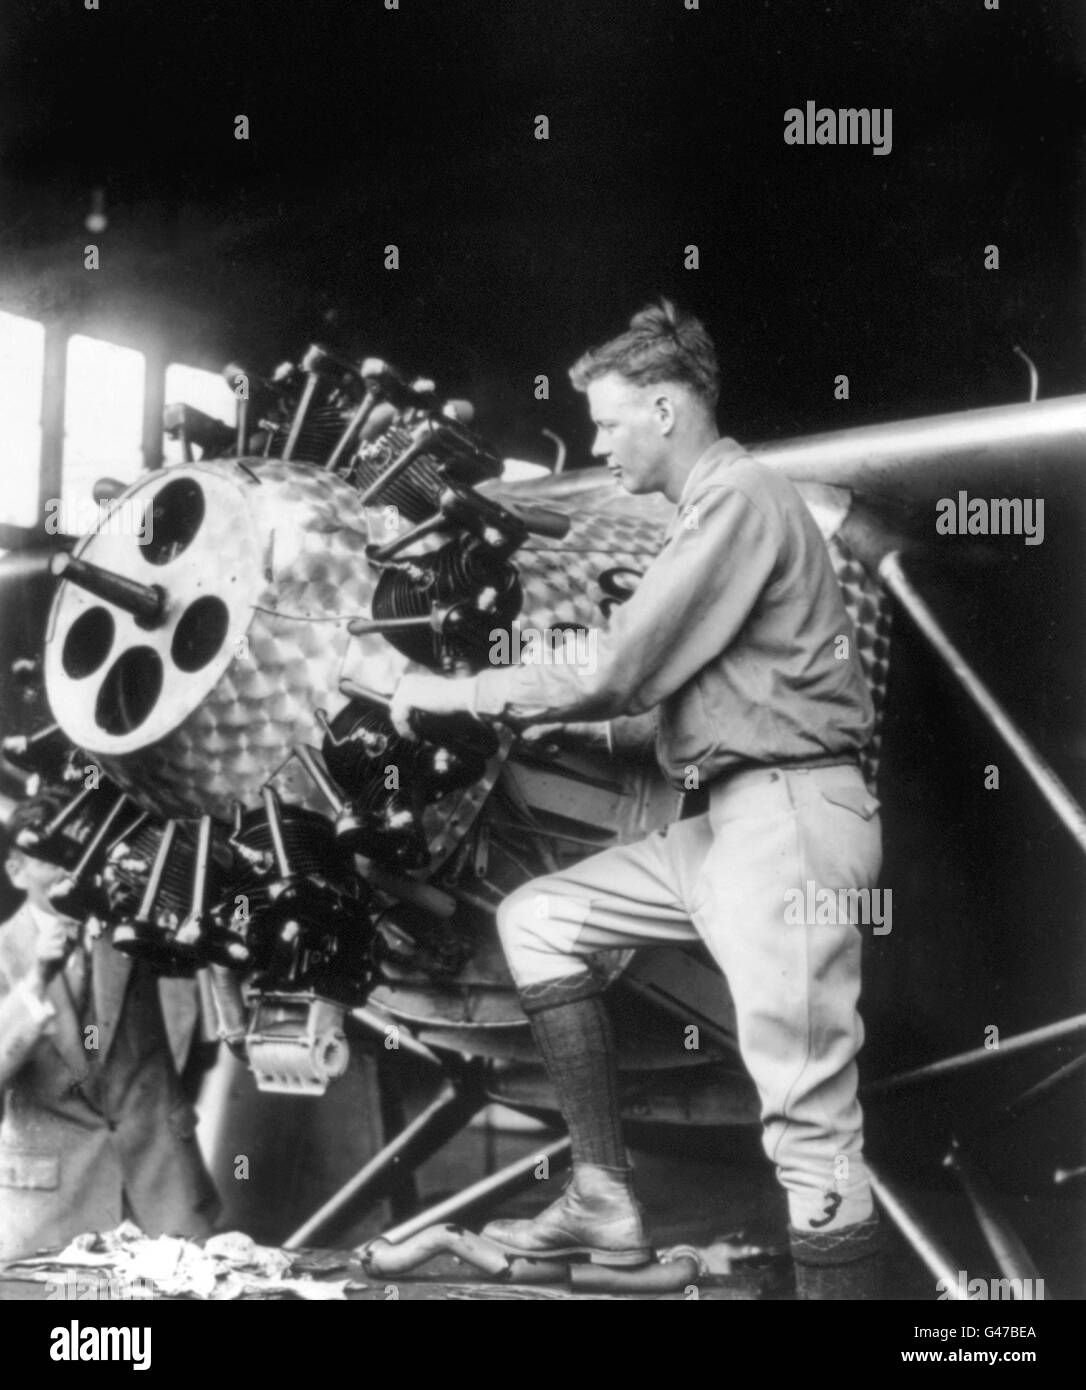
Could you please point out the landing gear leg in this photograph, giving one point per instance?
(461, 1098)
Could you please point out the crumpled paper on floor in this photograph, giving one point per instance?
(227, 1266)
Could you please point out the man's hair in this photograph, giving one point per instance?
(32, 813)
(661, 344)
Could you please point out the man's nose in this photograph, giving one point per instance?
(600, 448)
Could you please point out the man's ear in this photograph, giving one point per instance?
(663, 409)
(15, 868)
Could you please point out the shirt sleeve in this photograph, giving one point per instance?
(40, 1010)
(689, 606)
(24, 1020)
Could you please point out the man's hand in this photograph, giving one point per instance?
(628, 738)
(556, 737)
(430, 694)
(55, 939)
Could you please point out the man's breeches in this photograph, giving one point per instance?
(743, 878)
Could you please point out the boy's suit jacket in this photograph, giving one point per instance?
(91, 1134)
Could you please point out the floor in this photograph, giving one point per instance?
(716, 1190)
(713, 1189)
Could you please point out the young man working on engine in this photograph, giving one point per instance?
(732, 636)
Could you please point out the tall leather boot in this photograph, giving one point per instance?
(846, 1264)
(596, 1216)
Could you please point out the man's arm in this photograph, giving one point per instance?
(25, 1018)
(632, 738)
(26, 1015)
(689, 606)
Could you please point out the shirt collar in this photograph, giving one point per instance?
(40, 918)
(722, 451)
(37, 916)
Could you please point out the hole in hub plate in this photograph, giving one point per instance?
(129, 692)
(88, 643)
(200, 633)
(175, 515)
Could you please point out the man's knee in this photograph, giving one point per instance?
(517, 914)
(535, 904)
(538, 928)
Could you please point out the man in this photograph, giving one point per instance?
(738, 637)
(95, 1126)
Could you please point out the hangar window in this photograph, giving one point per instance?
(22, 362)
(207, 391)
(103, 420)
